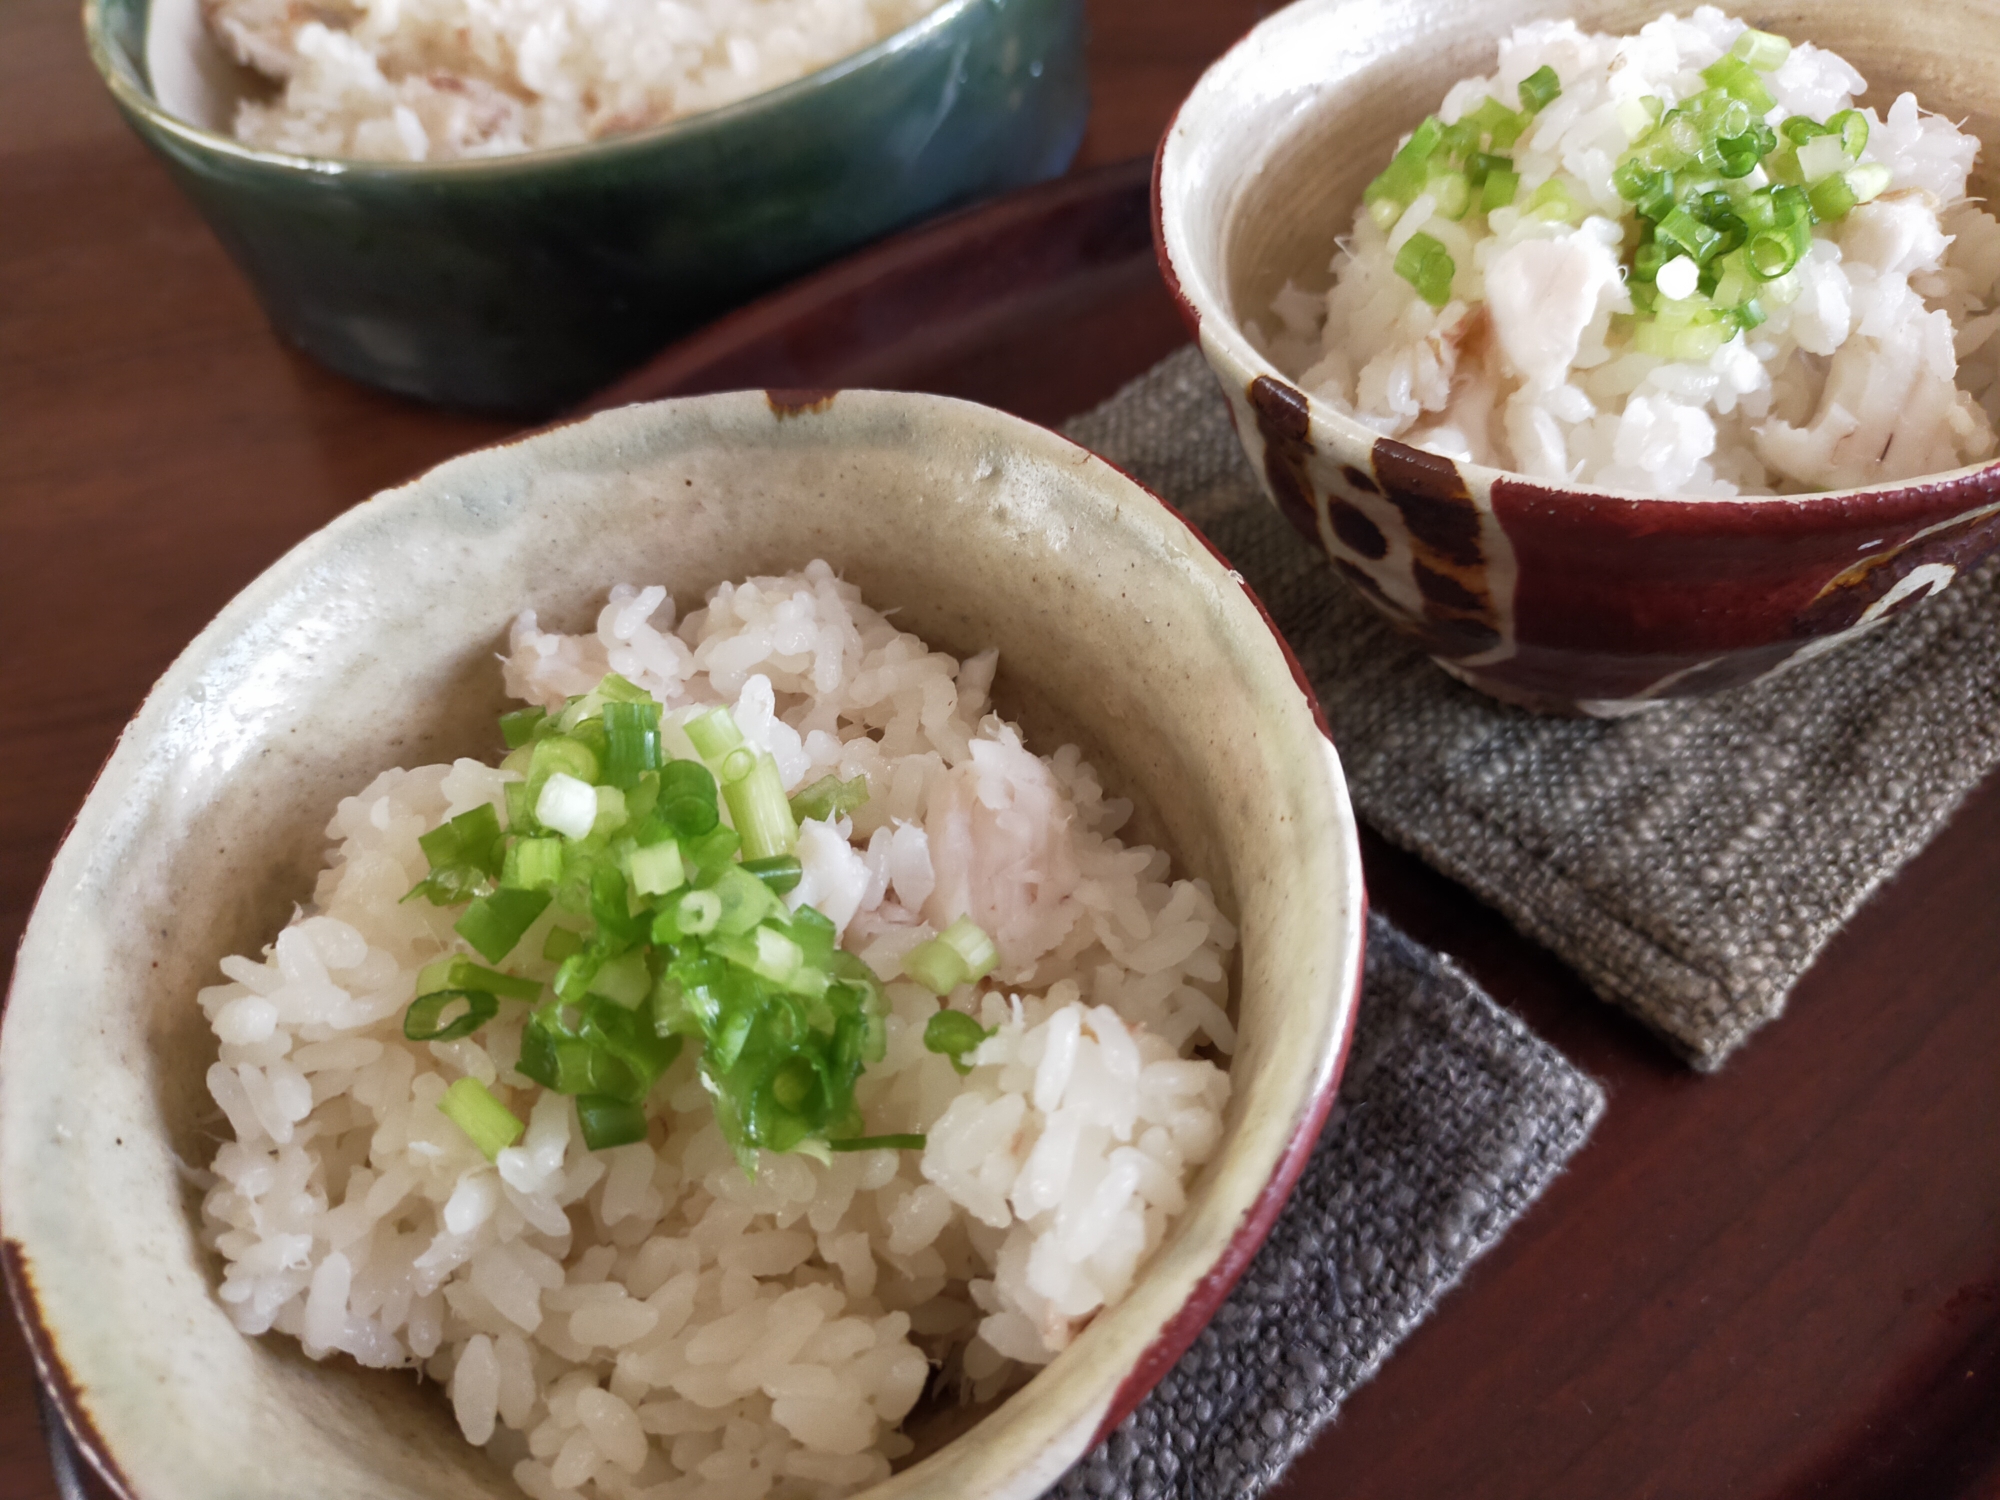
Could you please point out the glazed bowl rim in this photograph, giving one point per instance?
(1209, 317)
(1262, 1183)
(141, 104)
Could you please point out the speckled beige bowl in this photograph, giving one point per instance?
(372, 644)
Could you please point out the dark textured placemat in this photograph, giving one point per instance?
(1452, 1118)
(1689, 862)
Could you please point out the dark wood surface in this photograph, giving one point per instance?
(1777, 1283)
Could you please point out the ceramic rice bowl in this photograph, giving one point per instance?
(373, 644)
(1565, 599)
(522, 283)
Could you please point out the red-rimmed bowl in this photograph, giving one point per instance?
(1565, 599)
(372, 644)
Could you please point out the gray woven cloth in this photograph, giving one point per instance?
(1690, 862)
(1452, 1118)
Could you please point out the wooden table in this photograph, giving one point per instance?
(1778, 1283)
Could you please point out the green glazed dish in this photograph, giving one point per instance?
(518, 284)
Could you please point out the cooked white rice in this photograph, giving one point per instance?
(427, 80)
(1877, 362)
(648, 1321)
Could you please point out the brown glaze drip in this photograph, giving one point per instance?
(1361, 479)
(1356, 532)
(798, 403)
(1847, 597)
(1448, 562)
(1285, 422)
(1432, 496)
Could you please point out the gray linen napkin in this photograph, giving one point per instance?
(1452, 1118)
(1689, 862)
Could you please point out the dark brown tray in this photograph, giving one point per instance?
(1776, 1283)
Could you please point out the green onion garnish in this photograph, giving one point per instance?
(829, 798)
(878, 1143)
(1762, 50)
(487, 1123)
(954, 1034)
(961, 954)
(465, 857)
(781, 872)
(436, 1017)
(1427, 265)
(1539, 89)
(665, 934)
(609, 1122)
(493, 924)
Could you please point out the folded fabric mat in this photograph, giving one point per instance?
(1689, 862)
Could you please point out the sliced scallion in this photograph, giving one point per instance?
(1762, 50)
(954, 1034)
(1540, 89)
(758, 808)
(493, 924)
(1426, 265)
(487, 1123)
(608, 1122)
(436, 1017)
(567, 804)
(878, 1143)
(781, 872)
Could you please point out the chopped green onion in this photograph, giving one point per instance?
(1831, 197)
(1539, 89)
(1763, 50)
(632, 742)
(425, 1020)
(465, 857)
(758, 808)
(608, 1122)
(625, 980)
(1427, 265)
(954, 1034)
(829, 798)
(1554, 201)
(1693, 236)
(781, 872)
(655, 869)
(878, 1143)
(567, 804)
(687, 799)
(696, 914)
(1823, 157)
(1398, 185)
(533, 864)
(494, 924)
(1452, 191)
(1798, 129)
(519, 727)
(719, 741)
(562, 753)
(1498, 191)
(487, 1123)
(1868, 181)
(560, 944)
(969, 941)
(1500, 125)
(457, 972)
(1740, 81)
(1852, 127)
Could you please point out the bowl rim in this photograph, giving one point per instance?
(1206, 311)
(142, 105)
(1074, 1436)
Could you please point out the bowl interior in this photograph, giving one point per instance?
(1298, 120)
(373, 644)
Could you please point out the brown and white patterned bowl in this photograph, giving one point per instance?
(372, 644)
(1561, 598)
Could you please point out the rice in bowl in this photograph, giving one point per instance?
(434, 80)
(1562, 273)
(648, 1319)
